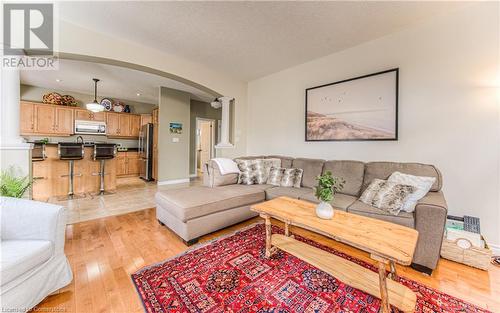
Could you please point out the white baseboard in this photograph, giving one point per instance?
(173, 181)
(193, 175)
(495, 249)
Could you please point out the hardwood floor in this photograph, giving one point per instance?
(104, 252)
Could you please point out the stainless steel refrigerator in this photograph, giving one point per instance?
(146, 151)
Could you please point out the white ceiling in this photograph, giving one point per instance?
(116, 82)
(251, 39)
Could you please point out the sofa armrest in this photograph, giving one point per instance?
(212, 176)
(27, 219)
(430, 219)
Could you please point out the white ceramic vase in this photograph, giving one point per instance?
(324, 210)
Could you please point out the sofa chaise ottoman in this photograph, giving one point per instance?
(195, 211)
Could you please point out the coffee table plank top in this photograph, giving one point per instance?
(382, 239)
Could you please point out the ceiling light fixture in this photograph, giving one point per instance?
(95, 106)
(216, 104)
(58, 80)
(138, 94)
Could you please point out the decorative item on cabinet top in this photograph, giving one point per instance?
(107, 103)
(56, 98)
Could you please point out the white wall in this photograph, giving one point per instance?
(448, 111)
(74, 39)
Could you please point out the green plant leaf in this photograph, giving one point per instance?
(13, 183)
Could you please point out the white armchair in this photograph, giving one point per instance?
(33, 263)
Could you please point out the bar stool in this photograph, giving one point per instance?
(103, 152)
(70, 151)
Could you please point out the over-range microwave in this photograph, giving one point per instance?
(83, 127)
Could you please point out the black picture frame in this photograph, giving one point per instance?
(396, 119)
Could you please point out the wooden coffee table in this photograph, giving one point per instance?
(386, 242)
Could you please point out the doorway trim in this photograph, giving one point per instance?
(197, 140)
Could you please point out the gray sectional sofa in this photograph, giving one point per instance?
(195, 211)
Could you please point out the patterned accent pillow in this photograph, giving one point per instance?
(292, 177)
(387, 196)
(255, 171)
(422, 184)
(275, 176)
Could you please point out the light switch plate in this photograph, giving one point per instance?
(175, 139)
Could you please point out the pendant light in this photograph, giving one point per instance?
(95, 106)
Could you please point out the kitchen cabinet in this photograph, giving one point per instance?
(135, 125)
(113, 124)
(46, 119)
(121, 164)
(87, 115)
(146, 118)
(27, 122)
(124, 128)
(128, 164)
(123, 125)
(51, 175)
(63, 121)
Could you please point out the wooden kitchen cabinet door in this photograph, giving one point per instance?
(42, 180)
(27, 121)
(99, 116)
(135, 125)
(113, 124)
(146, 118)
(64, 121)
(121, 164)
(83, 115)
(124, 127)
(134, 163)
(45, 119)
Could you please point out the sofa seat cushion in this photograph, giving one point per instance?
(21, 256)
(192, 202)
(341, 201)
(403, 218)
(291, 192)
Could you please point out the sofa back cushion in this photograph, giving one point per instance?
(351, 171)
(382, 170)
(311, 167)
(286, 162)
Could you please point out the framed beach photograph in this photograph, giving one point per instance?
(360, 108)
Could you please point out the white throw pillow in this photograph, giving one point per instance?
(422, 184)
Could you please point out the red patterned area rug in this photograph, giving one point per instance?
(230, 274)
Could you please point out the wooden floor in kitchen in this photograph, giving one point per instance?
(104, 252)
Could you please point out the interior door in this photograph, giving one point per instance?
(205, 147)
(45, 119)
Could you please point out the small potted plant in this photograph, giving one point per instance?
(13, 183)
(325, 191)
